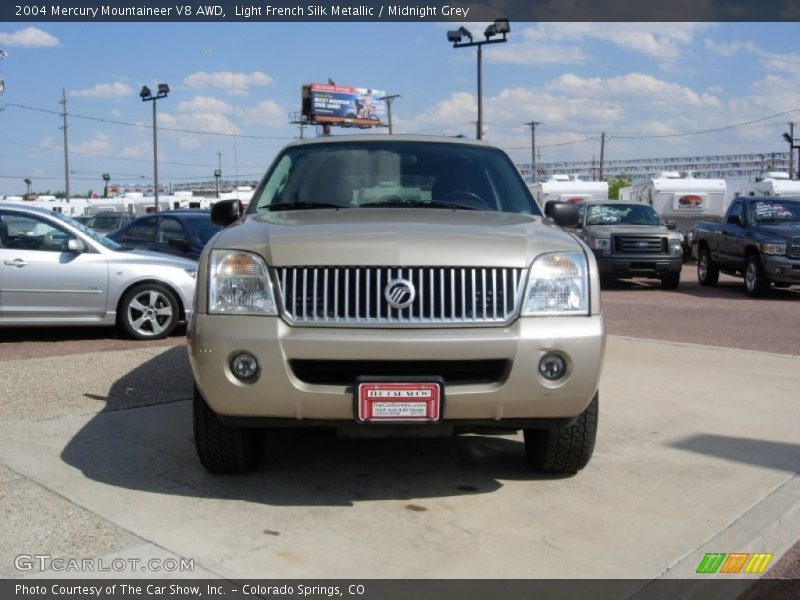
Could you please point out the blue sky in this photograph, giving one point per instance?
(578, 79)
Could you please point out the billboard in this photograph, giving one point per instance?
(343, 105)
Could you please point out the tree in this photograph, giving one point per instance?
(614, 185)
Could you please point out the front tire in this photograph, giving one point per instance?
(149, 312)
(222, 448)
(671, 281)
(707, 269)
(756, 283)
(565, 450)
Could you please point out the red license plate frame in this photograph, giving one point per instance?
(398, 400)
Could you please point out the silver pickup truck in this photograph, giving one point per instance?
(393, 285)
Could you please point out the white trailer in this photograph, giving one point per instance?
(684, 200)
(772, 183)
(568, 189)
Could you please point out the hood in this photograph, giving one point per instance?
(786, 231)
(395, 236)
(609, 230)
(151, 258)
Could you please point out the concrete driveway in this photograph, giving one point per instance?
(698, 451)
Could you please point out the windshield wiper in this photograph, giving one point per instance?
(302, 205)
(412, 204)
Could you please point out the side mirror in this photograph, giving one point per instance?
(565, 215)
(225, 212)
(734, 220)
(671, 224)
(75, 245)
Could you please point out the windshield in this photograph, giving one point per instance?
(97, 237)
(621, 214)
(764, 211)
(406, 174)
(104, 222)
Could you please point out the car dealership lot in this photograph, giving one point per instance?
(698, 452)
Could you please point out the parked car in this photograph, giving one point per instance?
(55, 271)
(182, 232)
(629, 239)
(759, 240)
(108, 221)
(395, 285)
(82, 219)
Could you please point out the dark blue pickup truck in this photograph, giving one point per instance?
(759, 239)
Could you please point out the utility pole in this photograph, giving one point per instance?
(66, 146)
(602, 153)
(389, 100)
(218, 172)
(534, 173)
(479, 124)
(790, 138)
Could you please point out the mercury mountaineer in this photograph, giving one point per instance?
(395, 286)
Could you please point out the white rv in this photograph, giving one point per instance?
(568, 189)
(772, 183)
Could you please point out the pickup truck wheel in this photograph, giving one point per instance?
(564, 450)
(756, 283)
(671, 281)
(707, 269)
(222, 448)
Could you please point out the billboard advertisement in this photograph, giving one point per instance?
(344, 105)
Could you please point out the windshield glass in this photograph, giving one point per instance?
(621, 214)
(406, 174)
(775, 210)
(104, 222)
(97, 237)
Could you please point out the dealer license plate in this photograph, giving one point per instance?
(398, 402)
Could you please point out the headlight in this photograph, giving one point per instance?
(676, 245)
(557, 285)
(602, 244)
(771, 248)
(238, 283)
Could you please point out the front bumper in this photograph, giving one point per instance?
(519, 394)
(638, 265)
(781, 268)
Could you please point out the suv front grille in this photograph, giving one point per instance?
(795, 251)
(628, 244)
(356, 296)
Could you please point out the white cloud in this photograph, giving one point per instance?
(30, 37)
(141, 150)
(99, 144)
(558, 42)
(267, 112)
(105, 90)
(236, 84)
(788, 62)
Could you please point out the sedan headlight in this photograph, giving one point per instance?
(238, 283)
(558, 284)
(601, 244)
(773, 248)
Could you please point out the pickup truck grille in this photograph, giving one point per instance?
(795, 251)
(356, 296)
(628, 244)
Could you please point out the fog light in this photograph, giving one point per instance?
(244, 366)
(552, 366)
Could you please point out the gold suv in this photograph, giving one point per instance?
(393, 285)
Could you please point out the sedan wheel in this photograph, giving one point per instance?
(149, 312)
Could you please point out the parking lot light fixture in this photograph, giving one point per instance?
(147, 96)
(499, 27)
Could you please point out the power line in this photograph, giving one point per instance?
(144, 126)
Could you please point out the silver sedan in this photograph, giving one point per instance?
(55, 271)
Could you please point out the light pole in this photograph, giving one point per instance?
(106, 179)
(499, 27)
(28, 183)
(147, 96)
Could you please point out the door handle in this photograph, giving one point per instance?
(17, 262)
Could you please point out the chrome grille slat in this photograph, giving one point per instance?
(354, 295)
(795, 251)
